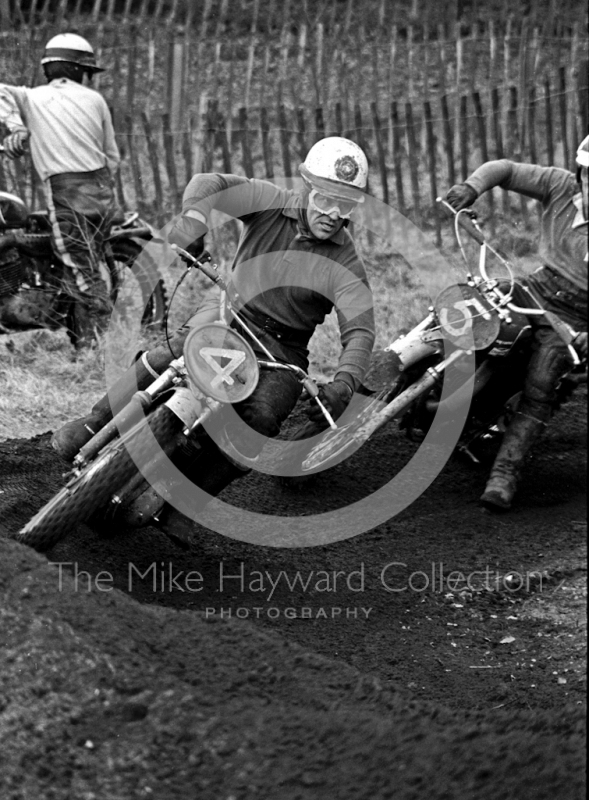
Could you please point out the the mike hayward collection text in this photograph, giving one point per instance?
(233, 579)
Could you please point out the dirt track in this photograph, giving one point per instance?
(440, 693)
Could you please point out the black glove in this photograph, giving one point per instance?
(196, 248)
(461, 196)
(335, 396)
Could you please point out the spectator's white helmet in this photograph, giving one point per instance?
(583, 153)
(337, 167)
(71, 48)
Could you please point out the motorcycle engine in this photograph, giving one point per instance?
(11, 271)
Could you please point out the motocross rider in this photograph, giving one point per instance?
(74, 152)
(560, 285)
(295, 261)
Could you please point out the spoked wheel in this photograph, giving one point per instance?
(136, 284)
(86, 493)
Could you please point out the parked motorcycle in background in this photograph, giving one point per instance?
(32, 293)
(431, 370)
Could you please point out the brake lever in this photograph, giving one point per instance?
(312, 390)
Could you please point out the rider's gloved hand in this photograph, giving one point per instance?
(461, 196)
(335, 396)
(196, 248)
(580, 345)
(14, 143)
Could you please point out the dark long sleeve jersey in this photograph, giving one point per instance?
(563, 241)
(280, 270)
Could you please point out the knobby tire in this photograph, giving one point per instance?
(97, 483)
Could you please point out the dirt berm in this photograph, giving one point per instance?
(102, 697)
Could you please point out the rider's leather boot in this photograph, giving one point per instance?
(69, 439)
(503, 480)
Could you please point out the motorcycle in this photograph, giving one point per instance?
(465, 360)
(32, 293)
(113, 474)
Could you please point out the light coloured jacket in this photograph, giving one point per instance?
(70, 126)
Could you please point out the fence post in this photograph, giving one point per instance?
(562, 98)
(359, 127)
(135, 168)
(187, 149)
(463, 137)
(482, 134)
(301, 133)
(380, 152)
(169, 158)
(223, 139)
(116, 77)
(532, 124)
(154, 161)
(266, 149)
(284, 140)
(496, 122)
(248, 166)
(516, 149)
(413, 162)
(397, 155)
(448, 141)
(131, 70)
(498, 139)
(549, 123)
(582, 94)
(209, 137)
(339, 123)
(431, 150)
(175, 82)
(319, 124)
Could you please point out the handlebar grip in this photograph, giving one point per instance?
(202, 264)
(464, 221)
(468, 225)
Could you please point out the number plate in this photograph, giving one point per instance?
(466, 317)
(221, 363)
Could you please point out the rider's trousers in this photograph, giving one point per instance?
(549, 362)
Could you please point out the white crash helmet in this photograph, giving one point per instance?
(583, 153)
(337, 167)
(72, 48)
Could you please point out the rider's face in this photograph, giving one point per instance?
(321, 225)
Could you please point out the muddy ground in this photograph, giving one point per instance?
(112, 689)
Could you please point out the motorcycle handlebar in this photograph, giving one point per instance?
(466, 221)
(201, 263)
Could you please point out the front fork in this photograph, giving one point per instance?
(132, 413)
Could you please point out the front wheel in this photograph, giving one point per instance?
(136, 284)
(86, 493)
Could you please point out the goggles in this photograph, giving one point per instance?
(326, 205)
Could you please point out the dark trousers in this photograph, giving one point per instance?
(81, 209)
(551, 357)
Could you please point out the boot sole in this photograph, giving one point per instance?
(494, 502)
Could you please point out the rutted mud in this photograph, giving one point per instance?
(441, 654)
